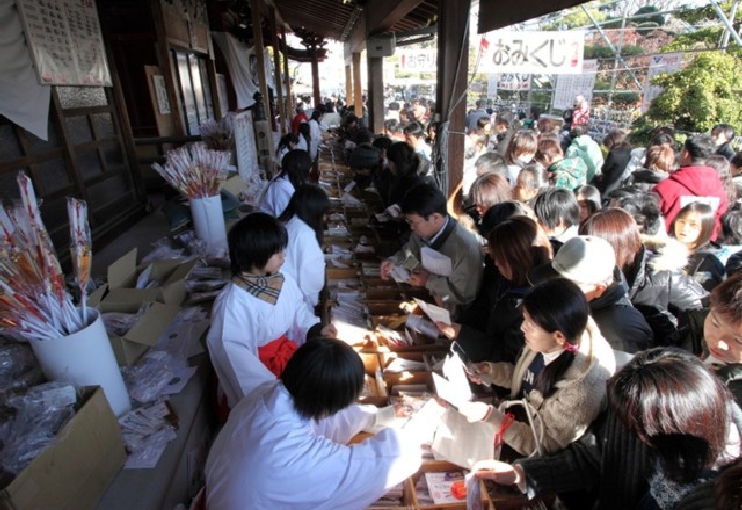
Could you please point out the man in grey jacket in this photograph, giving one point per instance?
(443, 256)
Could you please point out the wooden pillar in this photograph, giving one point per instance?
(348, 84)
(452, 76)
(287, 77)
(357, 85)
(375, 94)
(260, 51)
(277, 70)
(315, 79)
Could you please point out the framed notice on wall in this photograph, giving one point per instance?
(65, 42)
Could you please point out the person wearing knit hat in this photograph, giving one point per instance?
(589, 261)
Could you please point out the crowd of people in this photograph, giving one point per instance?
(604, 293)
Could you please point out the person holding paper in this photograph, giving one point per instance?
(669, 427)
(561, 373)
(451, 257)
(285, 445)
(260, 317)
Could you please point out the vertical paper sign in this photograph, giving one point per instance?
(659, 64)
(163, 104)
(534, 52)
(65, 41)
(247, 152)
(570, 86)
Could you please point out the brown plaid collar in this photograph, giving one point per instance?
(266, 288)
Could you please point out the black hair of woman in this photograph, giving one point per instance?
(253, 241)
(323, 376)
(304, 131)
(295, 166)
(310, 204)
(404, 158)
(675, 405)
(557, 305)
(287, 139)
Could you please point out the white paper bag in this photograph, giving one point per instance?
(463, 443)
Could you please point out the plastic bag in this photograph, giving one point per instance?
(18, 366)
(146, 433)
(151, 375)
(162, 249)
(41, 412)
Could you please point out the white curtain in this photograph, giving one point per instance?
(22, 99)
(242, 62)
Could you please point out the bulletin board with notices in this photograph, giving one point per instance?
(65, 40)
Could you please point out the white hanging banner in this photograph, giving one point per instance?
(66, 42)
(533, 52)
(424, 60)
(247, 151)
(659, 64)
(24, 101)
(570, 86)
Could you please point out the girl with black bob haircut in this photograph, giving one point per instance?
(323, 377)
(303, 423)
(260, 318)
(305, 224)
(295, 167)
(253, 241)
(560, 375)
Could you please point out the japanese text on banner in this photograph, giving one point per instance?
(534, 52)
(418, 61)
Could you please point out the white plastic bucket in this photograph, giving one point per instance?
(85, 358)
(208, 221)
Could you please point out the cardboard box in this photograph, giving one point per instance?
(121, 294)
(74, 471)
(144, 334)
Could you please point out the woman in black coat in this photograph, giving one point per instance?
(615, 167)
(656, 284)
(516, 245)
(632, 455)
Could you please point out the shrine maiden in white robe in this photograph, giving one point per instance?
(314, 136)
(241, 324)
(277, 196)
(268, 457)
(304, 261)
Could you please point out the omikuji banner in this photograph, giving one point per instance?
(533, 52)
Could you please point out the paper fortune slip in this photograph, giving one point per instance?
(435, 313)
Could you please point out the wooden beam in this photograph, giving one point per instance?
(348, 83)
(384, 14)
(257, 29)
(277, 68)
(357, 86)
(315, 80)
(287, 76)
(165, 63)
(451, 88)
(375, 94)
(492, 15)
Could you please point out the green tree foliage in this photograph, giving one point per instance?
(601, 51)
(575, 18)
(702, 95)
